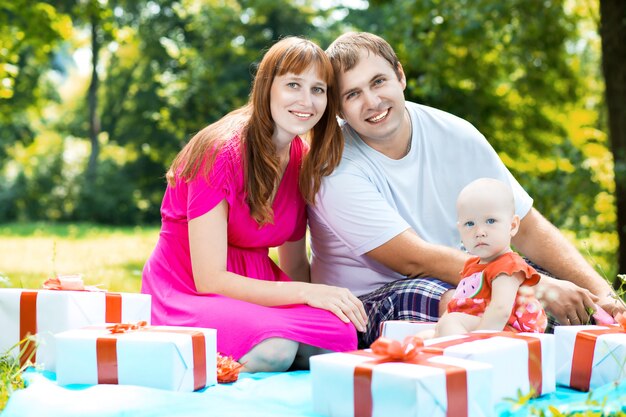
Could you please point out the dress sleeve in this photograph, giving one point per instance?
(510, 264)
(206, 192)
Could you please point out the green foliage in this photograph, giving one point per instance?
(11, 371)
(36, 187)
(29, 32)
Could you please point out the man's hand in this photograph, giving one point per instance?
(612, 304)
(566, 301)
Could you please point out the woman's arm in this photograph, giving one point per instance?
(208, 246)
(293, 260)
(503, 294)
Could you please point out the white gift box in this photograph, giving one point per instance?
(510, 357)
(46, 312)
(400, 329)
(590, 356)
(167, 357)
(397, 389)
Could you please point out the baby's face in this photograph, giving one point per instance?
(486, 227)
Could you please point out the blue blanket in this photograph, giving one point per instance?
(265, 394)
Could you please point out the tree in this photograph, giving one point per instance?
(613, 33)
(29, 32)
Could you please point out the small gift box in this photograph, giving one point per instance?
(521, 361)
(166, 357)
(379, 382)
(590, 356)
(401, 329)
(46, 312)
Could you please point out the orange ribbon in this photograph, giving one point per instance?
(113, 301)
(28, 325)
(411, 351)
(126, 327)
(106, 352)
(28, 319)
(535, 376)
(582, 358)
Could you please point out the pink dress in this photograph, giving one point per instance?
(240, 325)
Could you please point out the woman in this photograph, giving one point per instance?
(239, 187)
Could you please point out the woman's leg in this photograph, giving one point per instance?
(271, 355)
(301, 362)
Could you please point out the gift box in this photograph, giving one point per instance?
(364, 384)
(166, 357)
(520, 361)
(400, 329)
(46, 312)
(590, 356)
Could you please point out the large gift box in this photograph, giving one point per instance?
(590, 356)
(520, 360)
(46, 312)
(364, 383)
(166, 357)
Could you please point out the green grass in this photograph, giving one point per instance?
(112, 257)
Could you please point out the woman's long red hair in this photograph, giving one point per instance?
(254, 126)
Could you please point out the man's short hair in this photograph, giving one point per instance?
(345, 51)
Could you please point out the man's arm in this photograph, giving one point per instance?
(412, 256)
(543, 244)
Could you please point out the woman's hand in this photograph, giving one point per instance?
(339, 301)
(566, 301)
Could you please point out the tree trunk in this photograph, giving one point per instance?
(613, 34)
(94, 120)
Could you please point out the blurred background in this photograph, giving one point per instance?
(98, 96)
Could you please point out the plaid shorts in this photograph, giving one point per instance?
(406, 299)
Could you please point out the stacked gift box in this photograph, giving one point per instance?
(46, 312)
(166, 357)
(71, 337)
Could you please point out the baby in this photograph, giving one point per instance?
(494, 293)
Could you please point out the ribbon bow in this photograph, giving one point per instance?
(393, 349)
(126, 327)
(68, 283)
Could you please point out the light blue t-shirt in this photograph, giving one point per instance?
(369, 199)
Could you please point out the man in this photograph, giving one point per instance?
(384, 223)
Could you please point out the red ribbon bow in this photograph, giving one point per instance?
(412, 350)
(126, 327)
(68, 283)
(393, 349)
